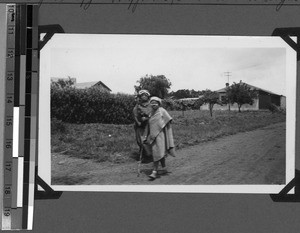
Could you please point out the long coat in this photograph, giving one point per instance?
(160, 134)
(141, 127)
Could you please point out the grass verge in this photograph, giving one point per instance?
(116, 143)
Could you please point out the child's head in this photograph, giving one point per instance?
(155, 102)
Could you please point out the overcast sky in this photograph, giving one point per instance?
(189, 62)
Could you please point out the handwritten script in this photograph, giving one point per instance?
(279, 5)
(133, 4)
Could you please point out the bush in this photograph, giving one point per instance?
(170, 104)
(182, 105)
(91, 106)
(274, 108)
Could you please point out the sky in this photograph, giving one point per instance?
(189, 62)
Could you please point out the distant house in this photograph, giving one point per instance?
(99, 85)
(188, 99)
(263, 100)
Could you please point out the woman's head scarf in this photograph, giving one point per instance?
(154, 98)
(141, 92)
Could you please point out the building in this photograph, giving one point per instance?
(99, 85)
(263, 100)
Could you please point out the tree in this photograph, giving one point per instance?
(157, 85)
(198, 103)
(63, 83)
(185, 93)
(241, 93)
(211, 98)
(180, 94)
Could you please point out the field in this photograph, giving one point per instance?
(116, 143)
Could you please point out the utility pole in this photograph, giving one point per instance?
(228, 74)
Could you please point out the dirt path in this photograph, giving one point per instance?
(255, 157)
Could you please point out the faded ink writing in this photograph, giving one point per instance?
(279, 5)
(132, 4)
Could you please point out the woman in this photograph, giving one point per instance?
(160, 135)
(141, 113)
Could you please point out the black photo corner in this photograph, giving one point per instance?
(283, 196)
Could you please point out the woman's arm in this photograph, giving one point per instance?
(135, 116)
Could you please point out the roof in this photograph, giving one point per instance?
(252, 88)
(85, 85)
(91, 84)
(195, 98)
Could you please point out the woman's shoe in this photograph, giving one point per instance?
(153, 175)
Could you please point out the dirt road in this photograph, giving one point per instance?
(254, 157)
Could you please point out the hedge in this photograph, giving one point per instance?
(91, 106)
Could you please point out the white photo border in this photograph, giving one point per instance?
(186, 41)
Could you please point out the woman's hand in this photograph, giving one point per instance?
(144, 118)
(151, 138)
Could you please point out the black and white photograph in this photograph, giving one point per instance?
(167, 113)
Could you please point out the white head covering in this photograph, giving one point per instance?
(154, 98)
(144, 92)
